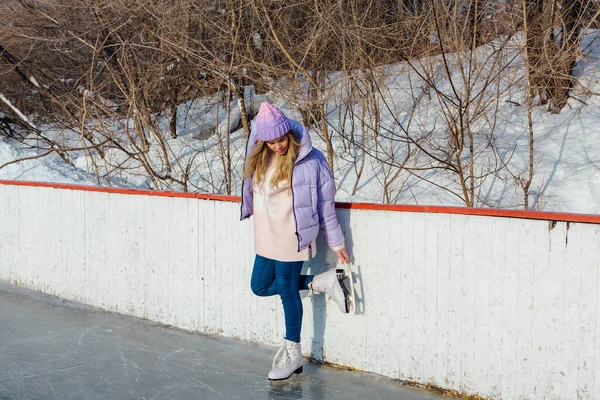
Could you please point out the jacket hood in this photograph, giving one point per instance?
(302, 134)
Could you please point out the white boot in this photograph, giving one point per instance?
(287, 361)
(329, 282)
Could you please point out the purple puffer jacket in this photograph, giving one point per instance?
(313, 192)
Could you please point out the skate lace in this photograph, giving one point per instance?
(282, 357)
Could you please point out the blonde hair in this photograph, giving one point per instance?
(258, 160)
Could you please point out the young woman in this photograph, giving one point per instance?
(289, 189)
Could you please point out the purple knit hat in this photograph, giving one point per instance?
(270, 123)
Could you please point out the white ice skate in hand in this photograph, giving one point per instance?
(338, 283)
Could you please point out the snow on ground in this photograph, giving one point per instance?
(47, 169)
(566, 161)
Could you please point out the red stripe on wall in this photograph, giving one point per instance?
(123, 191)
(488, 212)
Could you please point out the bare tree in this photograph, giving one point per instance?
(120, 76)
(555, 30)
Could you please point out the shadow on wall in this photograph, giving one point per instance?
(324, 260)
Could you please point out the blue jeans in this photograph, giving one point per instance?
(271, 277)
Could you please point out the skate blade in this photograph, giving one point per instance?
(346, 282)
(291, 378)
(294, 381)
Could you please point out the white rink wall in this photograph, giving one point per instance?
(498, 307)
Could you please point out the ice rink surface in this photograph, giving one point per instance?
(55, 349)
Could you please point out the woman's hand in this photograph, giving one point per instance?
(343, 256)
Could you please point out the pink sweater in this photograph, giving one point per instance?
(274, 224)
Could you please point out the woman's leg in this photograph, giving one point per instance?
(270, 277)
(304, 281)
(263, 282)
(288, 279)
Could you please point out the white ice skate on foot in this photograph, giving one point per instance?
(339, 285)
(287, 361)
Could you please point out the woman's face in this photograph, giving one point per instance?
(279, 146)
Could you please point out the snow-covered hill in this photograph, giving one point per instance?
(566, 157)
